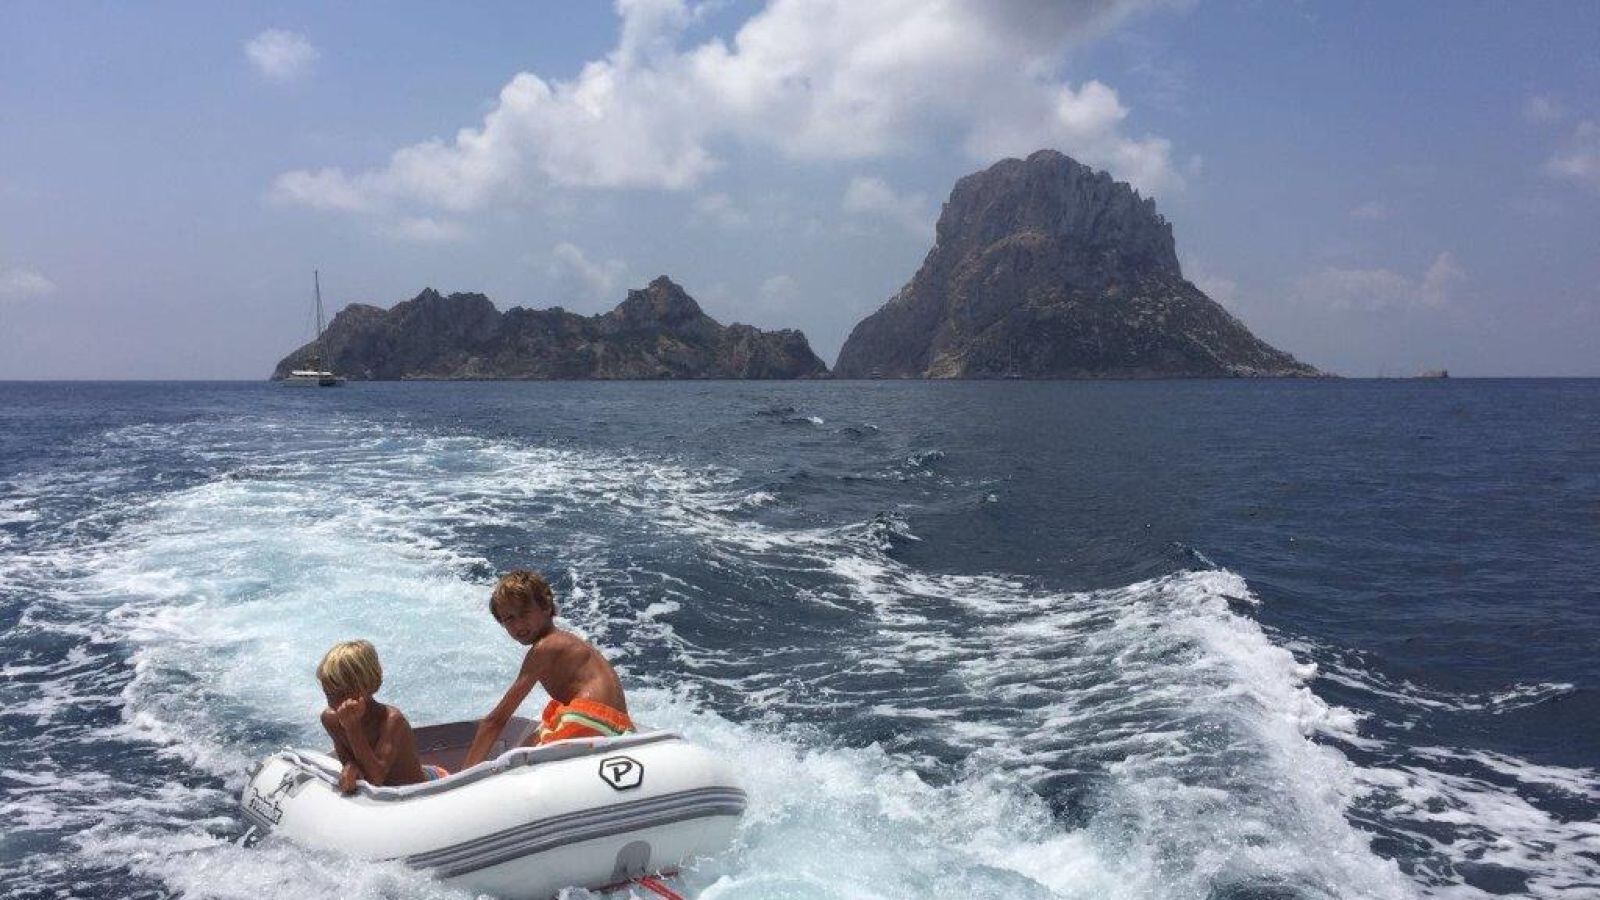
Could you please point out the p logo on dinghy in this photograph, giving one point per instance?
(622, 772)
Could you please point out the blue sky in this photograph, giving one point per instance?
(1374, 187)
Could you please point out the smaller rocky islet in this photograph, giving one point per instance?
(659, 332)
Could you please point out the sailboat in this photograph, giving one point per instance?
(314, 374)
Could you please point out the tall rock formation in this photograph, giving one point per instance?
(1045, 268)
(658, 332)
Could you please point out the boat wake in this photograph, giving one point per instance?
(900, 732)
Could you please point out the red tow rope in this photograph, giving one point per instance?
(654, 886)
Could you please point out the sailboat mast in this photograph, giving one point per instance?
(316, 280)
(315, 369)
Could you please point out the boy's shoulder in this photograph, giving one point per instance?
(561, 639)
(556, 648)
(394, 722)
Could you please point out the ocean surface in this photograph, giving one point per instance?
(1078, 640)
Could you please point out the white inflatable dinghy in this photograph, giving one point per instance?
(589, 813)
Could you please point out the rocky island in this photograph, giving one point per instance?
(658, 332)
(1045, 268)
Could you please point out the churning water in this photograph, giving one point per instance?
(1122, 640)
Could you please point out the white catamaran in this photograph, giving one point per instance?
(314, 374)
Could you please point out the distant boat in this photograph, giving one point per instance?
(1434, 373)
(314, 374)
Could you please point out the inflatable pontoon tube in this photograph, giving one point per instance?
(583, 813)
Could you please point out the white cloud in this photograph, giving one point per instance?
(21, 284)
(1440, 279)
(280, 55)
(584, 279)
(874, 197)
(326, 189)
(778, 292)
(808, 79)
(1215, 285)
(1359, 289)
(426, 230)
(1376, 290)
(1542, 110)
(721, 209)
(1579, 160)
(1371, 211)
(1083, 122)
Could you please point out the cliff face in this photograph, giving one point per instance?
(1045, 268)
(658, 332)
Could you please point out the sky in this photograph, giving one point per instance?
(1378, 188)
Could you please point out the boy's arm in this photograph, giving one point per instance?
(495, 722)
(396, 732)
(373, 762)
(351, 772)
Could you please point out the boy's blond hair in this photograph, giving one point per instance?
(351, 667)
(521, 588)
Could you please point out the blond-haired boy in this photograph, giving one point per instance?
(373, 740)
(586, 698)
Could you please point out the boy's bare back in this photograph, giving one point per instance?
(571, 668)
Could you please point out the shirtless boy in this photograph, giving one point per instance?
(373, 740)
(585, 696)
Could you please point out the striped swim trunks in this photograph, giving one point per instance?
(581, 719)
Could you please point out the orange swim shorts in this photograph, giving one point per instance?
(581, 719)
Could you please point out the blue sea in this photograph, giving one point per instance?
(1241, 639)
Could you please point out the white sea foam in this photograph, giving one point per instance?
(1507, 699)
(15, 511)
(1470, 813)
(1198, 722)
(1478, 824)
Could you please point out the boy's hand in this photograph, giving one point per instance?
(347, 780)
(350, 712)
